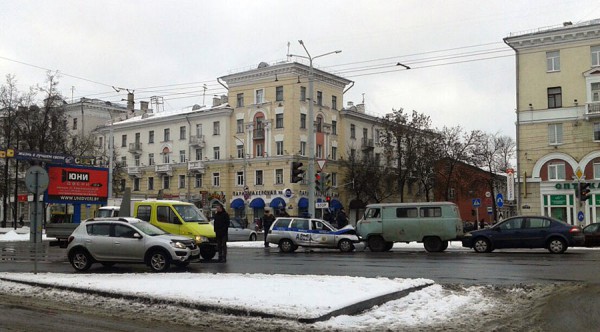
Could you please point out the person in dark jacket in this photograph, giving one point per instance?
(267, 221)
(342, 219)
(221, 224)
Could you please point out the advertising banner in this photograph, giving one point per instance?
(73, 184)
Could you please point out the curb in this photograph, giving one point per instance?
(352, 309)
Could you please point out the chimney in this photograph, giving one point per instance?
(350, 104)
(360, 108)
(130, 102)
(224, 99)
(216, 101)
(144, 106)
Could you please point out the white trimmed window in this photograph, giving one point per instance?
(553, 61)
(555, 134)
(556, 171)
(595, 56)
(596, 170)
(279, 176)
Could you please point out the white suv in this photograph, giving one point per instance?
(127, 240)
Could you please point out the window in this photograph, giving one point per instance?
(279, 120)
(216, 153)
(216, 128)
(199, 130)
(136, 160)
(319, 152)
(555, 97)
(259, 96)
(259, 150)
(166, 158)
(182, 156)
(302, 121)
(279, 93)
(595, 92)
(334, 179)
(124, 141)
(151, 137)
(512, 224)
(240, 100)
(240, 151)
(597, 131)
(240, 178)
(596, 170)
(320, 98)
(595, 56)
(240, 126)
(538, 223)
(279, 176)
(166, 182)
(334, 102)
(352, 131)
(451, 193)
(353, 153)
(299, 224)
(406, 212)
(334, 127)
(259, 178)
(198, 154)
(181, 181)
(303, 148)
(150, 183)
(136, 184)
(430, 211)
(319, 124)
(555, 134)
(279, 148)
(216, 180)
(75, 124)
(100, 142)
(182, 132)
(124, 161)
(198, 181)
(333, 153)
(99, 229)
(553, 61)
(556, 171)
(166, 135)
(302, 93)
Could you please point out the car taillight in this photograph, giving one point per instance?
(575, 229)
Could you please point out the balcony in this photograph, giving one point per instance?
(135, 148)
(592, 110)
(163, 169)
(134, 171)
(259, 133)
(196, 166)
(367, 143)
(197, 141)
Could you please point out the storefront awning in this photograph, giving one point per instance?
(303, 203)
(277, 202)
(257, 203)
(237, 203)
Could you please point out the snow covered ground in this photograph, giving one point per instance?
(296, 297)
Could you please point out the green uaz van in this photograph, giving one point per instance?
(433, 223)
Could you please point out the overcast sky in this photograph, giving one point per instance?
(461, 72)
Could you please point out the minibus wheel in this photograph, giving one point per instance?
(376, 243)
(433, 244)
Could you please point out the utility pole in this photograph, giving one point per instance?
(311, 127)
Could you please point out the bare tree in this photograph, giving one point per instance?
(372, 180)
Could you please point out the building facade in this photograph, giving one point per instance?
(558, 120)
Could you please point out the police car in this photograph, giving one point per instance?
(289, 233)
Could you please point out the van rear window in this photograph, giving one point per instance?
(431, 212)
(406, 213)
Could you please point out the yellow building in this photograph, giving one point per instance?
(558, 120)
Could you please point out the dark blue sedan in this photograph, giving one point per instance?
(526, 232)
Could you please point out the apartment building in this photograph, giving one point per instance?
(558, 120)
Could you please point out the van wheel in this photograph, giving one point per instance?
(376, 243)
(286, 246)
(159, 260)
(433, 244)
(345, 245)
(444, 245)
(208, 252)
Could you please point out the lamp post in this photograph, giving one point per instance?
(311, 127)
(244, 170)
(110, 155)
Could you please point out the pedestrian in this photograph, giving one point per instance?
(342, 219)
(267, 220)
(21, 223)
(221, 224)
(481, 224)
(328, 217)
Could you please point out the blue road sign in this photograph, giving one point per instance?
(580, 216)
(476, 202)
(499, 200)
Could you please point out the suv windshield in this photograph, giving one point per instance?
(190, 213)
(148, 229)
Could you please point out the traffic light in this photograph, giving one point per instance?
(318, 182)
(328, 199)
(576, 187)
(297, 172)
(584, 191)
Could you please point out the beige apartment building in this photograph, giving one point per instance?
(240, 150)
(558, 120)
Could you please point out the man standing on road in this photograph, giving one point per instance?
(221, 220)
(267, 221)
(342, 220)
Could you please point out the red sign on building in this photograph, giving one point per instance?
(77, 184)
(22, 197)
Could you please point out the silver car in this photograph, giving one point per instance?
(291, 232)
(128, 240)
(237, 232)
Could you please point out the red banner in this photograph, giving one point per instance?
(77, 184)
(22, 197)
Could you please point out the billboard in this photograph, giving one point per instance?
(76, 184)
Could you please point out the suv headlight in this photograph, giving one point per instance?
(178, 245)
(201, 239)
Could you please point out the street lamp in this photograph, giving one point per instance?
(244, 170)
(311, 128)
